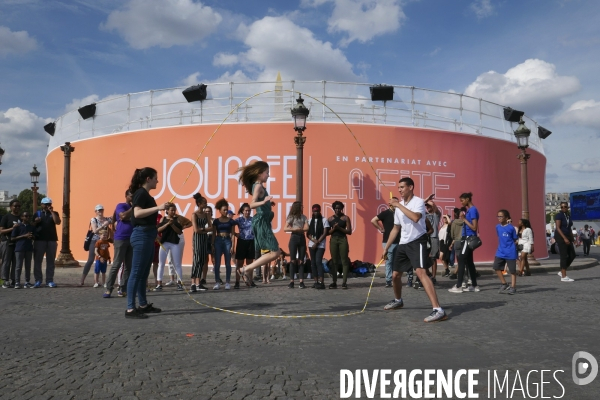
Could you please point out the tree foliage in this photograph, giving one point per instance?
(26, 200)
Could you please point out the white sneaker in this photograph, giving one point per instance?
(472, 289)
(227, 286)
(309, 276)
(464, 285)
(455, 289)
(559, 274)
(272, 277)
(295, 276)
(567, 279)
(170, 283)
(104, 286)
(469, 282)
(284, 278)
(96, 285)
(217, 286)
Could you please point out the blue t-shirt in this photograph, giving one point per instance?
(224, 227)
(23, 244)
(245, 226)
(506, 242)
(470, 215)
(124, 228)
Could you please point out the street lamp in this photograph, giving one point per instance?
(300, 114)
(35, 176)
(522, 135)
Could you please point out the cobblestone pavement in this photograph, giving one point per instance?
(69, 342)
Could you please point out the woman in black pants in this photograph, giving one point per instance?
(318, 228)
(470, 217)
(297, 225)
(564, 240)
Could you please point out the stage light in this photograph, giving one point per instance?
(87, 111)
(382, 93)
(195, 93)
(50, 128)
(512, 115)
(543, 133)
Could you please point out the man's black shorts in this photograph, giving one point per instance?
(499, 264)
(244, 249)
(411, 255)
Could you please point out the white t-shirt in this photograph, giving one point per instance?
(322, 244)
(411, 230)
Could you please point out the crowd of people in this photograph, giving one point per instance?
(145, 236)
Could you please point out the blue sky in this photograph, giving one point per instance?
(541, 56)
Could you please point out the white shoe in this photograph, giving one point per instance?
(464, 285)
(96, 285)
(472, 289)
(104, 286)
(309, 276)
(217, 286)
(284, 278)
(469, 282)
(272, 277)
(170, 283)
(559, 274)
(227, 286)
(295, 276)
(455, 289)
(567, 279)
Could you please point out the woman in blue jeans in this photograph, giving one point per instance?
(223, 234)
(144, 234)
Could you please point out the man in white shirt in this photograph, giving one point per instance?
(412, 250)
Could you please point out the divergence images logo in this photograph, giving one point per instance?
(581, 367)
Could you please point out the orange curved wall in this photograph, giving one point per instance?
(440, 162)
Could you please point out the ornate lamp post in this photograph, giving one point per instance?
(1, 154)
(300, 114)
(65, 257)
(522, 134)
(35, 176)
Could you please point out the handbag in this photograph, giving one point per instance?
(88, 238)
(520, 247)
(474, 242)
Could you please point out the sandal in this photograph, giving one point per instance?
(242, 275)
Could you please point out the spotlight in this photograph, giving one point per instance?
(382, 93)
(87, 111)
(512, 115)
(195, 93)
(543, 133)
(50, 128)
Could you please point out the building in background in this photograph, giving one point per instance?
(5, 199)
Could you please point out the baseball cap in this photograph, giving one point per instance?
(229, 212)
(46, 200)
(99, 207)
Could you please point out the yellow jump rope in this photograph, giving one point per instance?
(266, 315)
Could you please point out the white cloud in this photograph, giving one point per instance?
(532, 86)
(225, 60)
(482, 8)
(587, 165)
(435, 51)
(15, 42)
(269, 41)
(164, 23)
(24, 141)
(77, 103)
(584, 112)
(362, 20)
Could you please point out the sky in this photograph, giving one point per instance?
(539, 56)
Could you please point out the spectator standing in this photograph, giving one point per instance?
(586, 238)
(97, 224)
(169, 229)
(102, 258)
(201, 246)
(123, 248)
(525, 245)
(9, 261)
(444, 237)
(341, 227)
(224, 243)
(433, 215)
(22, 236)
(384, 223)
(296, 224)
(506, 254)
(45, 243)
(470, 217)
(563, 235)
(318, 228)
(245, 250)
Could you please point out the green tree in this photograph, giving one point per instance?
(3, 212)
(26, 200)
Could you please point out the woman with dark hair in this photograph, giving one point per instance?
(341, 227)
(296, 224)
(170, 229)
(470, 217)
(202, 225)
(525, 245)
(444, 237)
(318, 228)
(223, 243)
(210, 251)
(245, 245)
(145, 212)
(253, 177)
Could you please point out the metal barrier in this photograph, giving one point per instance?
(411, 106)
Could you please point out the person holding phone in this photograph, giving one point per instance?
(46, 243)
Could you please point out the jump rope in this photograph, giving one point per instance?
(267, 315)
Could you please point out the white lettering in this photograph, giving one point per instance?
(287, 177)
(557, 381)
(459, 394)
(346, 389)
(399, 383)
(444, 383)
(383, 384)
(415, 383)
(370, 384)
(472, 382)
